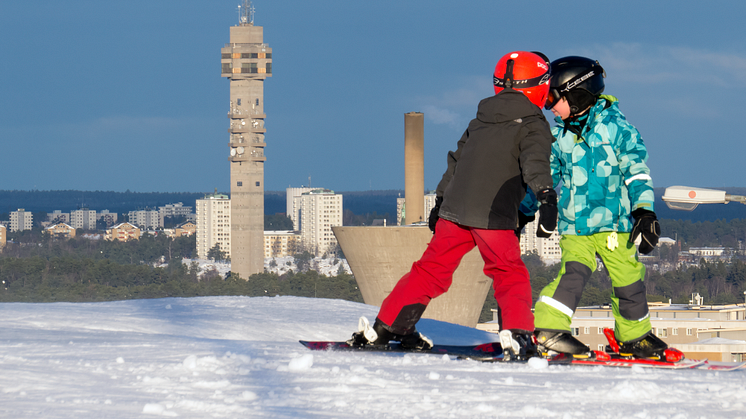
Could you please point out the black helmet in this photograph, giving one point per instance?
(578, 79)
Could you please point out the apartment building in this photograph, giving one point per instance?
(401, 207)
(58, 216)
(145, 219)
(3, 235)
(175, 210)
(279, 244)
(61, 231)
(213, 224)
(320, 210)
(548, 249)
(123, 232)
(109, 218)
(292, 206)
(21, 220)
(83, 218)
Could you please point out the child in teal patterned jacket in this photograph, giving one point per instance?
(605, 202)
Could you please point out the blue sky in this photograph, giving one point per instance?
(128, 95)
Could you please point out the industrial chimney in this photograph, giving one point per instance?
(414, 167)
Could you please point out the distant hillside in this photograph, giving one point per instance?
(359, 202)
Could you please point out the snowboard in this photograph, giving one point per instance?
(492, 352)
(481, 352)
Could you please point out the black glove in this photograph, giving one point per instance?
(646, 223)
(547, 213)
(523, 219)
(433, 219)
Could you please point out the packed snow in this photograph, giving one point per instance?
(239, 357)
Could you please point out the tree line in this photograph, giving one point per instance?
(38, 268)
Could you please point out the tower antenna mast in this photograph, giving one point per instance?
(246, 13)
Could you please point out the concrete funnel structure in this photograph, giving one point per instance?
(380, 256)
(414, 167)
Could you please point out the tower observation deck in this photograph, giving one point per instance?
(246, 62)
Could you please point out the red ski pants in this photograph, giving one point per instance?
(432, 275)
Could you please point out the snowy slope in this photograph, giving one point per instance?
(238, 357)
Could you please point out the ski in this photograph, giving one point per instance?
(486, 351)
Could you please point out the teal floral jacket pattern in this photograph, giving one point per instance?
(602, 172)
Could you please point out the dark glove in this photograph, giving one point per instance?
(433, 219)
(523, 219)
(547, 213)
(646, 223)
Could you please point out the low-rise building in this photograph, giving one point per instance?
(123, 232)
(60, 231)
(686, 327)
(187, 228)
(280, 243)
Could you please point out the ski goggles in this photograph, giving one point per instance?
(552, 98)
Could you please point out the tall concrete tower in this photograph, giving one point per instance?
(414, 167)
(246, 62)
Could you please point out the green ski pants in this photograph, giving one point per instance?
(559, 299)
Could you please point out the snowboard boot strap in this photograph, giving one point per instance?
(646, 346)
(518, 345)
(416, 342)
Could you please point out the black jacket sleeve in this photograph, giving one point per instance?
(535, 149)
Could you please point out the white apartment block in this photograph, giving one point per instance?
(401, 207)
(213, 224)
(58, 216)
(145, 219)
(548, 249)
(320, 210)
(110, 218)
(292, 206)
(175, 210)
(21, 220)
(83, 218)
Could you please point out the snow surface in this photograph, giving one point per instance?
(239, 357)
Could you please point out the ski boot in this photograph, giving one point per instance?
(517, 344)
(550, 342)
(646, 346)
(378, 335)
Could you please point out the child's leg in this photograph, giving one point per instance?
(502, 262)
(429, 277)
(628, 298)
(559, 299)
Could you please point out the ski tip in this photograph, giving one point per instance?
(673, 355)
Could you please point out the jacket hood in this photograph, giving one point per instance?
(508, 105)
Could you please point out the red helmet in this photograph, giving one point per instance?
(526, 72)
